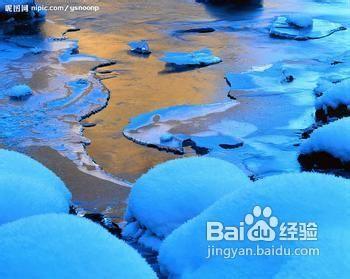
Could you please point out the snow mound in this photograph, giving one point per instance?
(300, 21)
(17, 164)
(199, 58)
(332, 139)
(140, 47)
(174, 192)
(21, 196)
(334, 102)
(19, 92)
(272, 203)
(302, 27)
(66, 246)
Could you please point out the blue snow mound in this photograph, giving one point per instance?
(301, 213)
(66, 246)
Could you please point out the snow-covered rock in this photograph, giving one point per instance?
(327, 147)
(272, 204)
(302, 27)
(334, 102)
(176, 191)
(19, 92)
(198, 58)
(17, 164)
(66, 246)
(300, 21)
(28, 188)
(22, 197)
(140, 47)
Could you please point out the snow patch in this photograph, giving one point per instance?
(199, 58)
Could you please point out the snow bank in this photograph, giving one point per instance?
(66, 246)
(140, 47)
(332, 139)
(203, 57)
(302, 197)
(334, 102)
(178, 190)
(19, 92)
(302, 27)
(17, 164)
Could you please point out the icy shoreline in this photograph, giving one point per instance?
(28, 122)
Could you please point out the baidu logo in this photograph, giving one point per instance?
(262, 225)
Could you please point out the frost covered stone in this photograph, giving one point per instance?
(199, 58)
(140, 47)
(302, 27)
(174, 192)
(19, 92)
(66, 246)
(328, 147)
(270, 203)
(334, 102)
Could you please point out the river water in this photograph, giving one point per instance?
(241, 40)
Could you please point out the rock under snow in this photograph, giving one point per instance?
(17, 164)
(199, 58)
(300, 21)
(302, 27)
(21, 196)
(66, 246)
(174, 192)
(140, 47)
(28, 188)
(19, 92)
(328, 147)
(269, 205)
(334, 102)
